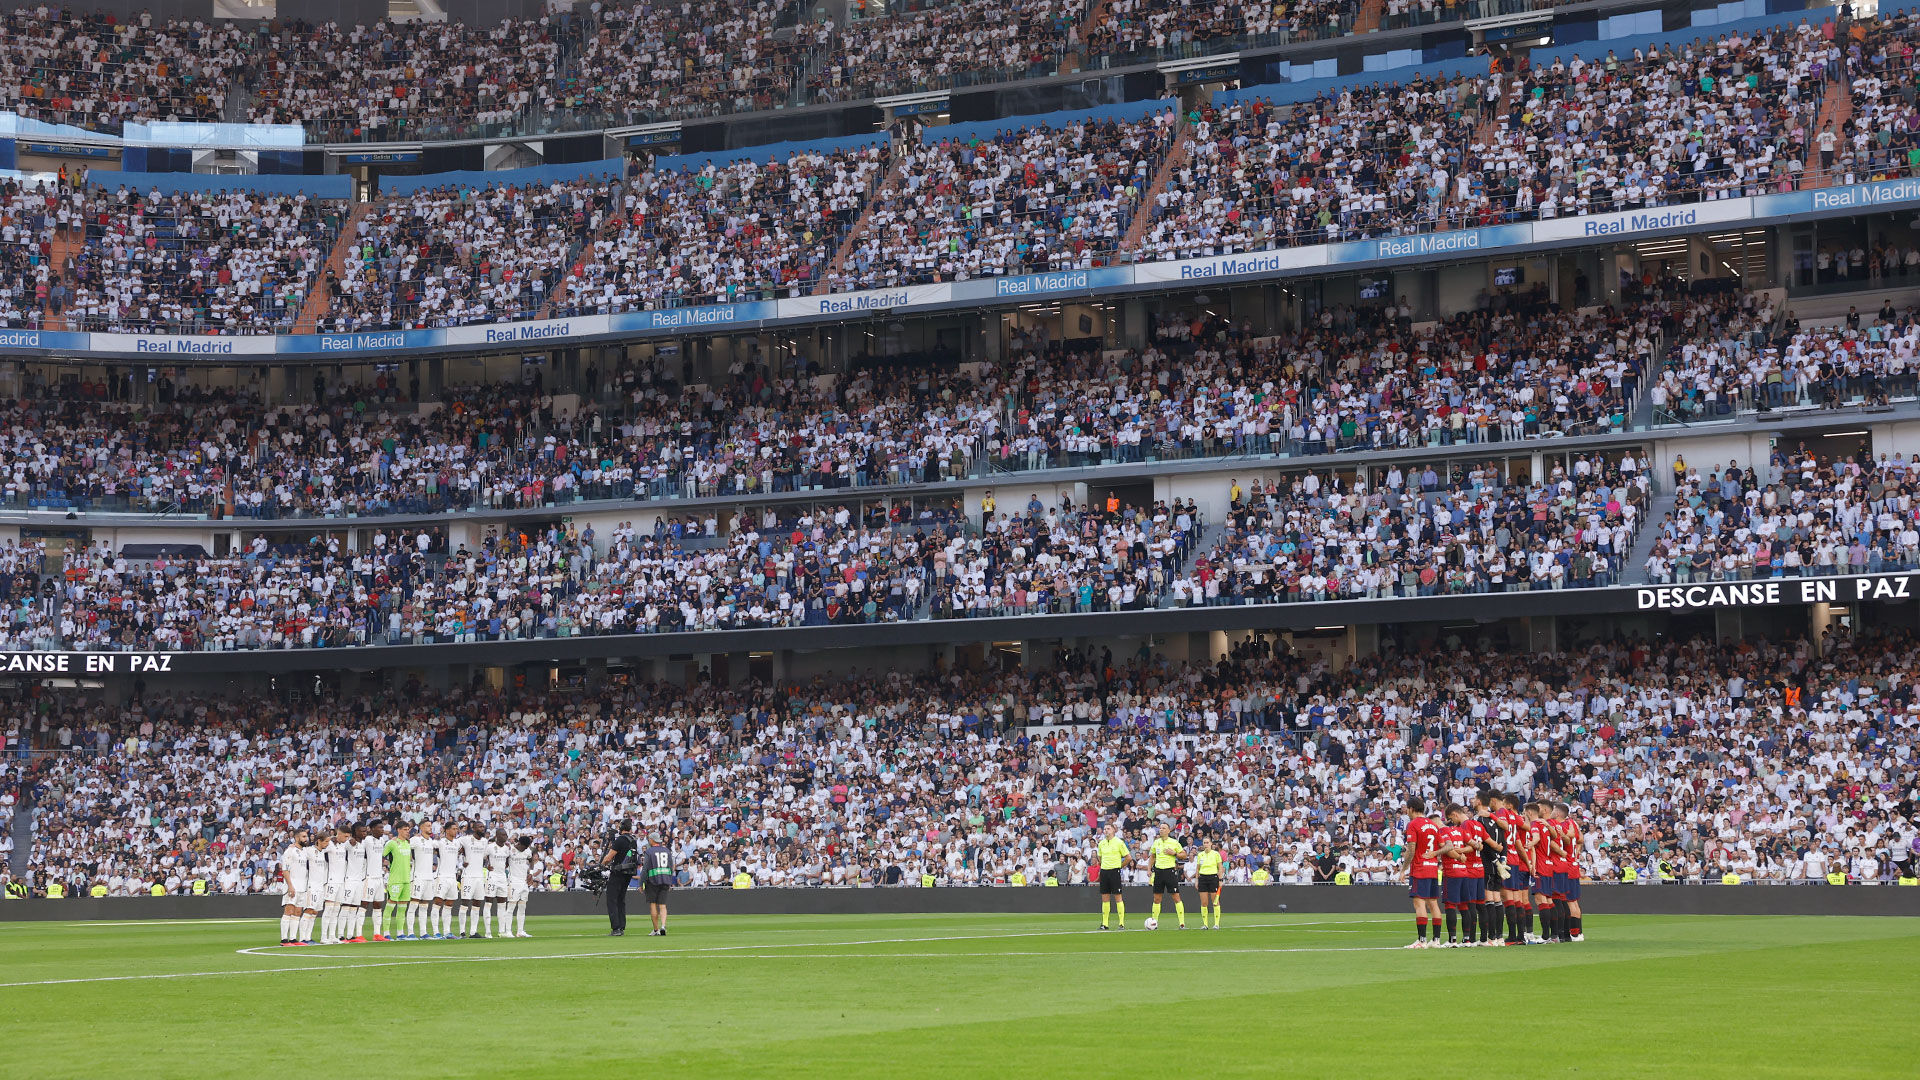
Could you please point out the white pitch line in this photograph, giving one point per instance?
(713, 952)
(695, 954)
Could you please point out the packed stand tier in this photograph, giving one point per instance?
(1175, 28)
(32, 216)
(1204, 388)
(1682, 760)
(1802, 515)
(820, 567)
(1417, 535)
(452, 256)
(1020, 200)
(740, 230)
(197, 262)
(1733, 352)
(664, 60)
(933, 44)
(407, 80)
(100, 71)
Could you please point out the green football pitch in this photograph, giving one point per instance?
(1270, 995)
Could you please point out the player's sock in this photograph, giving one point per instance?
(1180, 911)
(329, 918)
(486, 918)
(1573, 924)
(1156, 909)
(379, 919)
(520, 915)
(1106, 913)
(1490, 921)
(1419, 928)
(461, 918)
(306, 927)
(284, 937)
(1453, 922)
(1120, 910)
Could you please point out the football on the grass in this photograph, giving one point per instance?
(1152, 924)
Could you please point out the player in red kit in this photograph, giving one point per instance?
(1546, 860)
(1570, 866)
(1460, 872)
(1423, 872)
(1514, 894)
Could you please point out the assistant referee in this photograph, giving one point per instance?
(1113, 856)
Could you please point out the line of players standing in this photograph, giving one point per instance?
(413, 886)
(1490, 869)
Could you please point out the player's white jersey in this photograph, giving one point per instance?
(520, 867)
(374, 848)
(293, 865)
(422, 850)
(473, 859)
(356, 862)
(497, 855)
(448, 851)
(337, 864)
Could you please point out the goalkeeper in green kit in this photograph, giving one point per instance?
(399, 859)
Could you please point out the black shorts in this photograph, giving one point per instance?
(1109, 881)
(657, 890)
(1167, 880)
(1209, 882)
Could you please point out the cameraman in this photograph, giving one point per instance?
(622, 862)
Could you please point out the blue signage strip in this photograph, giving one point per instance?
(1277, 263)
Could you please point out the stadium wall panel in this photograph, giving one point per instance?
(1242, 902)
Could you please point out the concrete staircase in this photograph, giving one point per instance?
(1144, 213)
(1635, 570)
(22, 833)
(1835, 109)
(315, 305)
(66, 246)
(890, 180)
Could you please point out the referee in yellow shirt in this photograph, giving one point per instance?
(1113, 856)
(1209, 866)
(1165, 852)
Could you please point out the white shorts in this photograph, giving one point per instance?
(376, 890)
(517, 894)
(293, 897)
(471, 890)
(497, 890)
(354, 889)
(331, 893)
(422, 890)
(445, 889)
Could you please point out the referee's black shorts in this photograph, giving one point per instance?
(1109, 881)
(657, 890)
(1167, 880)
(1209, 883)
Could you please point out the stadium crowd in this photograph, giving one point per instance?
(1776, 762)
(1743, 114)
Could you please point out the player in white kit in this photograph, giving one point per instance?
(473, 879)
(422, 844)
(519, 884)
(445, 891)
(374, 900)
(293, 873)
(353, 916)
(336, 886)
(316, 885)
(496, 899)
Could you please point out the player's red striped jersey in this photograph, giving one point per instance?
(1463, 864)
(1423, 839)
(1542, 835)
(1571, 830)
(1516, 853)
(1473, 830)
